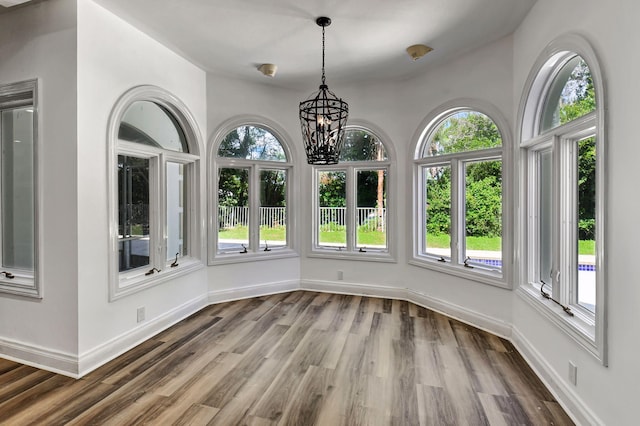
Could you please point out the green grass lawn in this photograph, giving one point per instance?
(374, 238)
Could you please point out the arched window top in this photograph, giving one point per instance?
(461, 131)
(570, 95)
(149, 123)
(362, 145)
(252, 143)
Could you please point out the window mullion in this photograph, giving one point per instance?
(254, 208)
(351, 185)
(568, 233)
(156, 216)
(457, 212)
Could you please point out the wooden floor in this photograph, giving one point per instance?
(299, 358)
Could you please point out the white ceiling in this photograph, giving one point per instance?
(366, 40)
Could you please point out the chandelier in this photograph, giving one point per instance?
(323, 118)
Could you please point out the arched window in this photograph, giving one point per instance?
(351, 199)
(252, 172)
(458, 169)
(153, 190)
(561, 160)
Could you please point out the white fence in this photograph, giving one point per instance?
(331, 218)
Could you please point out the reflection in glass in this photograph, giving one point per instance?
(371, 209)
(251, 143)
(148, 123)
(233, 209)
(273, 211)
(332, 196)
(570, 96)
(587, 223)
(437, 183)
(18, 227)
(483, 213)
(176, 211)
(133, 212)
(360, 145)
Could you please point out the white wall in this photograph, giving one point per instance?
(39, 42)
(113, 57)
(610, 392)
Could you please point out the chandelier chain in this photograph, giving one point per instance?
(323, 78)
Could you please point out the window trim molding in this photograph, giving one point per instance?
(30, 285)
(426, 128)
(388, 255)
(192, 133)
(529, 113)
(291, 250)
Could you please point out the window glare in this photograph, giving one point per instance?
(148, 123)
(176, 211)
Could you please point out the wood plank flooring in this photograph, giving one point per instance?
(300, 358)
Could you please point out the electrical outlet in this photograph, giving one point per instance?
(340, 275)
(141, 314)
(573, 373)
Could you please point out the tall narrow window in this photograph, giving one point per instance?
(253, 174)
(561, 151)
(351, 199)
(153, 188)
(18, 229)
(459, 173)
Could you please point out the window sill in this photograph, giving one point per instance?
(137, 282)
(579, 327)
(235, 257)
(21, 285)
(368, 256)
(475, 274)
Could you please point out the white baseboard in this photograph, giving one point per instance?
(341, 287)
(575, 407)
(220, 296)
(100, 355)
(39, 357)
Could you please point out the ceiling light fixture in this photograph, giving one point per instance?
(268, 69)
(417, 51)
(323, 118)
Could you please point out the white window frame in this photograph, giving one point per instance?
(586, 328)
(457, 161)
(254, 251)
(26, 282)
(351, 168)
(125, 283)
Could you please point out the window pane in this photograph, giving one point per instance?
(273, 211)
(233, 209)
(545, 179)
(176, 211)
(18, 225)
(133, 212)
(148, 123)
(360, 145)
(251, 143)
(438, 210)
(332, 198)
(463, 131)
(483, 213)
(371, 209)
(587, 223)
(571, 95)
